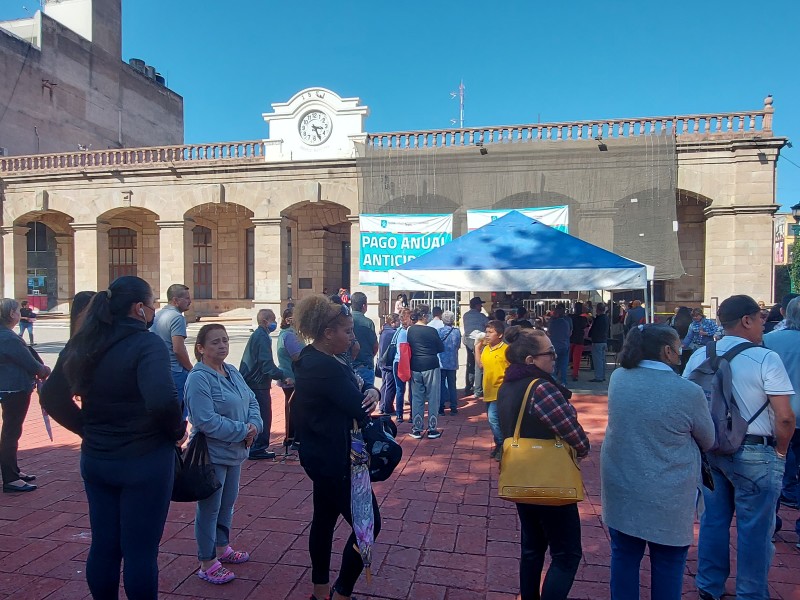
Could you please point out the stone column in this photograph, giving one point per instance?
(372, 292)
(175, 241)
(15, 262)
(270, 265)
(738, 254)
(91, 256)
(65, 272)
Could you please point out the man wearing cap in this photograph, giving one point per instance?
(474, 320)
(747, 482)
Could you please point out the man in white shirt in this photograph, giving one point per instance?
(747, 482)
(436, 322)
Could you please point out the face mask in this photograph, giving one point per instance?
(272, 327)
(147, 323)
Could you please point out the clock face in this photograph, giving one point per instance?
(314, 127)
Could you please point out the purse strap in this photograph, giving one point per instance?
(522, 410)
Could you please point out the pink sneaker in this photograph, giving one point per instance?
(234, 557)
(216, 574)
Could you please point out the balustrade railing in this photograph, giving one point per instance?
(700, 126)
(128, 157)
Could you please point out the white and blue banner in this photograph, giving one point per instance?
(389, 241)
(556, 217)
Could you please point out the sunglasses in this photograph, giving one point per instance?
(344, 311)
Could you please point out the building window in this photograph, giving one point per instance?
(201, 261)
(250, 261)
(121, 252)
(37, 237)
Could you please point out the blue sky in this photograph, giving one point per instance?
(520, 61)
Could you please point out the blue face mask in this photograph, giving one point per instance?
(272, 327)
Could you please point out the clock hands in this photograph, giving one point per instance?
(316, 129)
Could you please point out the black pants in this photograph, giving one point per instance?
(469, 385)
(556, 527)
(331, 499)
(15, 408)
(261, 443)
(128, 503)
(287, 412)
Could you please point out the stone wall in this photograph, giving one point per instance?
(70, 92)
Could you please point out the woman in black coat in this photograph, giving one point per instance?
(327, 399)
(130, 420)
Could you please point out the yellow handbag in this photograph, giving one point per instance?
(534, 471)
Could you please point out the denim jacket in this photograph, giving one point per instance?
(451, 338)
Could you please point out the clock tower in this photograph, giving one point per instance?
(315, 124)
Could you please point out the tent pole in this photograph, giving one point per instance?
(650, 303)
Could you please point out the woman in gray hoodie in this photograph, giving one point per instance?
(224, 408)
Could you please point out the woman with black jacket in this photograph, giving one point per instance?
(130, 420)
(328, 398)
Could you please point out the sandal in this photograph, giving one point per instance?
(234, 557)
(216, 574)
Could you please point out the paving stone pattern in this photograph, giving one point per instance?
(446, 536)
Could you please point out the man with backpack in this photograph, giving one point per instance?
(748, 391)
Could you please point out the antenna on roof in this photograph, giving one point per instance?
(460, 95)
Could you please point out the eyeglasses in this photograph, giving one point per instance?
(551, 353)
(344, 311)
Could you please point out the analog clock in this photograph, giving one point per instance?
(314, 127)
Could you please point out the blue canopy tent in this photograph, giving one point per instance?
(517, 253)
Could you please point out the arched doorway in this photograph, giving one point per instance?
(316, 240)
(44, 245)
(41, 266)
(133, 245)
(222, 275)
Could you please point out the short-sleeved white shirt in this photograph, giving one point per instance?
(756, 374)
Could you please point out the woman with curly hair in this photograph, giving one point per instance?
(328, 398)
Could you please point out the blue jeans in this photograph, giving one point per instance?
(179, 377)
(388, 391)
(494, 422)
(747, 483)
(366, 373)
(448, 390)
(214, 515)
(399, 393)
(128, 503)
(667, 565)
(26, 325)
(599, 360)
(562, 364)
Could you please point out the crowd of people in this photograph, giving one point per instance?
(126, 385)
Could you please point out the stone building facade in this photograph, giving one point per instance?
(252, 224)
(66, 88)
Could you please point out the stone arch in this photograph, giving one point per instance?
(143, 260)
(316, 247)
(48, 266)
(222, 271)
(689, 289)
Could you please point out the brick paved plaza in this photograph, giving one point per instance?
(445, 534)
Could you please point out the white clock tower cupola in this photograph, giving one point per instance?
(315, 124)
